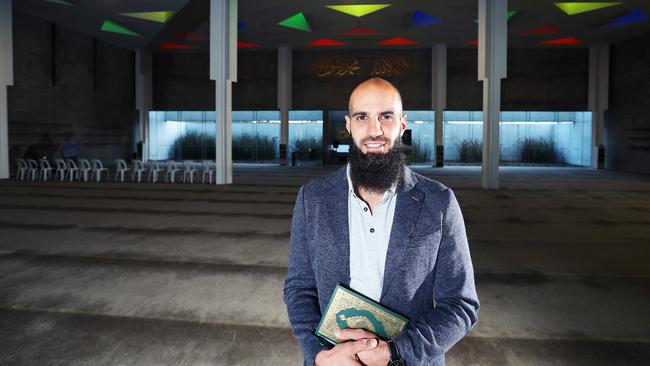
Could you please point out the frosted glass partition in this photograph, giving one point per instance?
(422, 126)
(179, 135)
(256, 136)
(306, 134)
(190, 135)
(522, 135)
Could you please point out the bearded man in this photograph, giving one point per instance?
(386, 232)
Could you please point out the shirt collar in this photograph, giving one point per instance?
(389, 193)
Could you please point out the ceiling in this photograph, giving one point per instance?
(455, 23)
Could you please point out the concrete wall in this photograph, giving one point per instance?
(182, 81)
(538, 80)
(90, 96)
(627, 123)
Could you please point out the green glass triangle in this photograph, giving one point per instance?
(577, 8)
(60, 2)
(297, 21)
(113, 27)
(154, 16)
(358, 10)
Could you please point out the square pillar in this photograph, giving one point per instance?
(492, 49)
(223, 70)
(6, 79)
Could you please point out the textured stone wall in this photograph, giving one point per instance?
(538, 80)
(89, 91)
(627, 123)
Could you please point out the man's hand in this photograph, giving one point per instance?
(345, 354)
(378, 356)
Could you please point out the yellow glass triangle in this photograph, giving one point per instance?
(154, 16)
(358, 10)
(577, 8)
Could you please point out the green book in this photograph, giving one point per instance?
(350, 309)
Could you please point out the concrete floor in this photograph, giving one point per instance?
(158, 274)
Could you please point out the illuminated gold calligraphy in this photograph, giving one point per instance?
(336, 66)
(391, 66)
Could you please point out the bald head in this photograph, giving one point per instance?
(376, 88)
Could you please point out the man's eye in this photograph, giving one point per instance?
(361, 118)
(387, 117)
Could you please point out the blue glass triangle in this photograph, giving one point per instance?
(635, 16)
(421, 19)
(241, 25)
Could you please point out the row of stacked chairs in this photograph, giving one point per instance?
(93, 169)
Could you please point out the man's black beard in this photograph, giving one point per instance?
(376, 173)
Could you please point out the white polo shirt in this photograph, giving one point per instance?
(369, 236)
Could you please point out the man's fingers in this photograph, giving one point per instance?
(347, 334)
(361, 345)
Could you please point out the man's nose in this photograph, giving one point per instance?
(375, 128)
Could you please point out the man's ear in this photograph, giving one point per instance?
(402, 124)
(347, 124)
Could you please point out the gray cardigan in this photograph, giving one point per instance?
(428, 276)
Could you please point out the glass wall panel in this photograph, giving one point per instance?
(181, 135)
(190, 135)
(525, 137)
(422, 126)
(256, 136)
(305, 135)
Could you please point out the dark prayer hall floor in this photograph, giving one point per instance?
(162, 274)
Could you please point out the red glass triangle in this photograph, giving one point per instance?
(360, 31)
(473, 43)
(325, 42)
(396, 41)
(174, 46)
(188, 36)
(549, 29)
(241, 44)
(562, 41)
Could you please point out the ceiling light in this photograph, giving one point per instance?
(635, 16)
(562, 41)
(110, 26)
(577, 8)
(360, 31)
(358, 10)
(396, 41)
(154, 16)
(241, 44)
(324, 42)
(421, 19)
(297, 21)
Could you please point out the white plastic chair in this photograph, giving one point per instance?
(138, 168)
(61, 169)
(21, 173)
(46, 169)
(154, 171)
(172, 169)
(98, 168)
(189, 168)
(33, 169)
(120, 169)
(73, 170)
(209, 169)
(85, 169)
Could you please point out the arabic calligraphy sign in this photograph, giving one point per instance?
(339, 66)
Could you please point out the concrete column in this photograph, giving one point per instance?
(143, 97)
(284, 98)
(439, 97)
(6, 79)
(492, 49)
(223, 70)
(598, 101)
